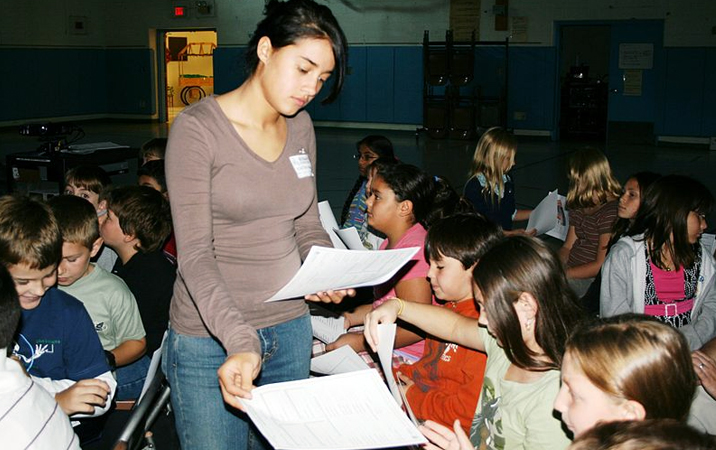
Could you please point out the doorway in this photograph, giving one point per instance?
(584, 81)
(186, 73)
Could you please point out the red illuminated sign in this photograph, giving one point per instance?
(179, 11)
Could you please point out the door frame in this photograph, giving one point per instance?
(161, 66)
(558, 25)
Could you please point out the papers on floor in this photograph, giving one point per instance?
(347, 411)
(550, 217)
(341, 360)
(332, 269)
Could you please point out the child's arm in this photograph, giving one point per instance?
(129, 351)
(522, 214)
(355, 340)
(416, 290)
(591, 269)
(85, 398)
(440, 322)
(567, 246)
(128, 323)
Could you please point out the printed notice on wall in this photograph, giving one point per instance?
(464, 19)
(636, 56)
(519, 29)
(633, 82)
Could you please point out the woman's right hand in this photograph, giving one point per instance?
(444, 438)
(236, 377)
(385, 313)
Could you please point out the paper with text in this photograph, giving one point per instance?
(341, 360)
(332, 269)
(347, 411)
(328, 222)
(550, 216)
(350, 238)
(327, 329)
(386, 342)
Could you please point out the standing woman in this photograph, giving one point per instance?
(241, 176)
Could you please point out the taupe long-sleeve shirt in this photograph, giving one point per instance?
(242, 225)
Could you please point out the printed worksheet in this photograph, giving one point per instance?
(327, 329)
(550, 216)
(332, 269)
(329, 223)
(347, 411)
(341, 360)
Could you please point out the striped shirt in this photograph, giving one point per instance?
(30, 418)
(588, 227)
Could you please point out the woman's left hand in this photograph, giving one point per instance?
(331, 296)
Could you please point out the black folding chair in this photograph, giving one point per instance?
(136, 434)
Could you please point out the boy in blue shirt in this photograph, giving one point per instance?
(29, 416)
(56, 341)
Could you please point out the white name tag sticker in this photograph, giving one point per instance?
(301, 165)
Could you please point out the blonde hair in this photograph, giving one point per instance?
(494, 148)
(633, 357)
(591, 181)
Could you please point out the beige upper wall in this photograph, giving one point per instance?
(125, 23)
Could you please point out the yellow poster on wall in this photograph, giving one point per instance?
(633, 82)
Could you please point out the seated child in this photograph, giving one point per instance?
(28, 414)
(152, 175)
(154, 149)
(106, 297)
(401, 199)
(445, 384)
(652, 434)
(592, 201)
(137, 223)
(491, 186)
(89, 182)
(369, 149)
(56, 341)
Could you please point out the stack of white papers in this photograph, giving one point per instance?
(348, 411)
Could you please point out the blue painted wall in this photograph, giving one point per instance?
(75, 82)
(52, 82)
(384, 84)
(689, 92)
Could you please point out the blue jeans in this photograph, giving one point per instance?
(203, 420)
(130, 379)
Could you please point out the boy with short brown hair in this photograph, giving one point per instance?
(56, 341)
(107, 298)
(137, 224)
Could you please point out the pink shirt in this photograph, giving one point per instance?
(417, 267)
(669, 285)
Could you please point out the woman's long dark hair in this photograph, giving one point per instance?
(664, 214)
(518, 265)
(288, 22)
